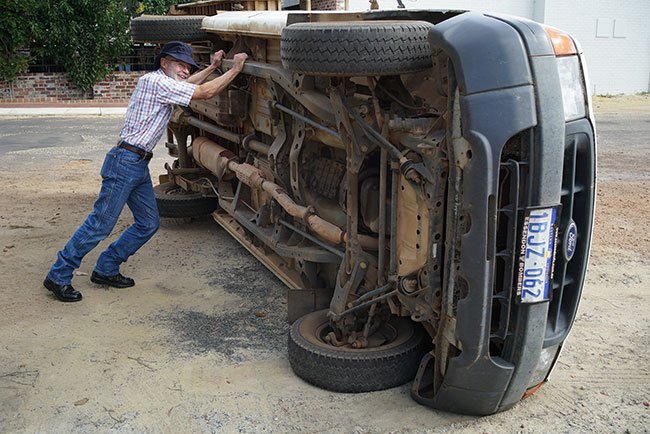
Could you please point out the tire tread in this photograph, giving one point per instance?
(168, 28)
(353, 372)
(359, 48)
(182, 205)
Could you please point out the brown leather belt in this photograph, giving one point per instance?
(141, 152)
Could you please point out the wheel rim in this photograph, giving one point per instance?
(396, 331)
(176, 190)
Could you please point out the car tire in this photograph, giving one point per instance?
(167, 28)
(356, 48)
(342, 369)
(175, 202)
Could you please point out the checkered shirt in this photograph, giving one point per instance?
(151, 106)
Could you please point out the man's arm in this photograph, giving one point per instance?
(201, 76)
(213, 87)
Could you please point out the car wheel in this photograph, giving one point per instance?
(175, 202)
(391, 358)
(356, 48)
(167, 28)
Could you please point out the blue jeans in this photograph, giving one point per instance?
(126, 180)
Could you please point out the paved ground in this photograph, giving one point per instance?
(70, 109)
(199, 344)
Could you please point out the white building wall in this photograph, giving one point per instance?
(522, 8)
(615, 36)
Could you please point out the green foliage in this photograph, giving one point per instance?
(160, 7)
(85, 36)
(17, 30)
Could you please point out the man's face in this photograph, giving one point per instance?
(174, 68)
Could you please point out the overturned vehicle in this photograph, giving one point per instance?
(422, 181)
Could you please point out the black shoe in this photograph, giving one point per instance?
(117, 281)
(62, 292)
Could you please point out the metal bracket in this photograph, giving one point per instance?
(294, 159)
(357, 145)
(342, 292)
(281, 137)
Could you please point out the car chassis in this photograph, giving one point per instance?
(388, 186)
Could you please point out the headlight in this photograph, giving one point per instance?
(568, 64)
(573, 89)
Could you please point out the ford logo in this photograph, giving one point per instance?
(570, 240)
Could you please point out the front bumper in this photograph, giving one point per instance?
(522, 155)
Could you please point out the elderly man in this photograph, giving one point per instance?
(125, 172)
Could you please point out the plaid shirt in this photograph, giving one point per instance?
(151, 106)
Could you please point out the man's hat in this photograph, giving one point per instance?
(178, 50)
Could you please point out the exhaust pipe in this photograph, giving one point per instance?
(221, 162)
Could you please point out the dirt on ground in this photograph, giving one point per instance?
(199, 344)
(621, 103)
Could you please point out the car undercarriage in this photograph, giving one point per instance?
(388, 167)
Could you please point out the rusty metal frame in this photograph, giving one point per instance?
(358, 138)
(279, 143)
(314, 101)
(317, 253)
(295, 163)
(357, 262)
(313, 239)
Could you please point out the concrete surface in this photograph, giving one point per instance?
(59, 110)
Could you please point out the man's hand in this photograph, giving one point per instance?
(211, 88)
(238, 61)
(218, 56)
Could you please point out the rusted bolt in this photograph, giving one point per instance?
(409, 285)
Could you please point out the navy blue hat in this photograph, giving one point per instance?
(178, 50)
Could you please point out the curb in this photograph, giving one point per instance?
(62, 111)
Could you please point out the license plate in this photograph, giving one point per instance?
(537, 255)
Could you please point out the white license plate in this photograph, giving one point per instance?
(537, 255)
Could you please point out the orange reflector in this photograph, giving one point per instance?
(533, 390)
(562, 42)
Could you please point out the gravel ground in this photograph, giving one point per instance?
(199, 345)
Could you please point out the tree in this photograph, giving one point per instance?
(17, 30)
(85, 36)
(159, 7)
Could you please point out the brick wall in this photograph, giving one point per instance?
(57, 87)
(120, 86)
